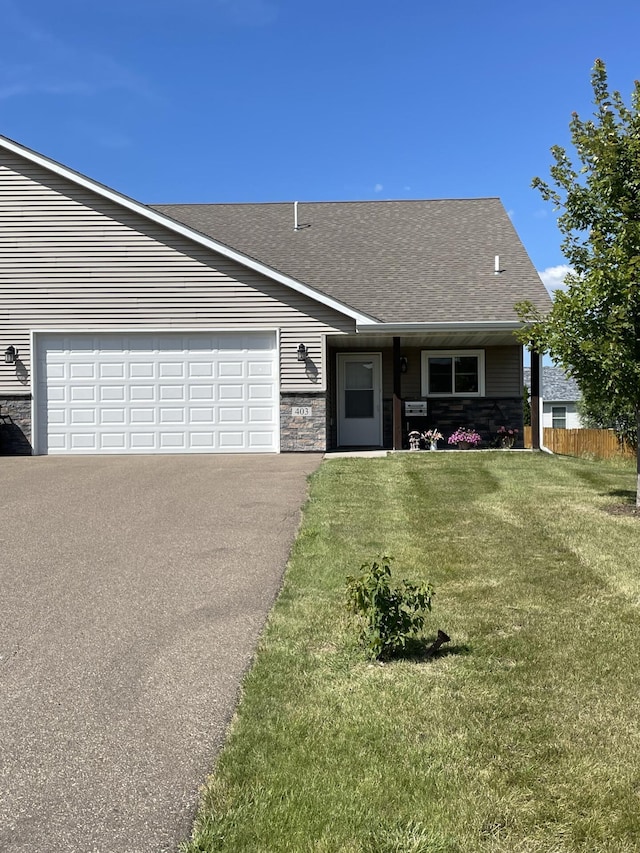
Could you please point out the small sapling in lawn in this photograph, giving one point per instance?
(391, 614)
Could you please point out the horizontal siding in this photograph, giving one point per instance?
(70, 259)
(503, 371)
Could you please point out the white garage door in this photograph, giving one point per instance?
(157, 393)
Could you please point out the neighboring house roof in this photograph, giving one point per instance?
(398, 261)
(556, 385)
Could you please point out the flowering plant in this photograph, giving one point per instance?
(433, 435)
(507, 436)
(468, 435)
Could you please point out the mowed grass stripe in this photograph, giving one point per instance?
(524, 737)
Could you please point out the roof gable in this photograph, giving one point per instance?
(183, 229)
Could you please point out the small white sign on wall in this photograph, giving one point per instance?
(301, 411)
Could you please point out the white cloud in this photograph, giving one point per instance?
(553, 277)
(378, 188)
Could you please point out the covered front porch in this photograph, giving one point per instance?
(450, 377)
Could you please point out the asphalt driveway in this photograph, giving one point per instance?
(132, 593)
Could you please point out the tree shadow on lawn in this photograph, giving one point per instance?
(627, 505)
(420, 651)
(628, 495)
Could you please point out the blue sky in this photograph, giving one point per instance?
(277, 100)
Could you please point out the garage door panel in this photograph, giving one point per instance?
(58, 417)
(83, 441)
(82, 370)
(173, 441)
(201, 415)
(115, 393)
(200, 369)
(86, 417)
(168, 393)
(112, 416)
(228, 414)
(171, 370)
(142, 392)
(110, 370)
(258, 440)
(229, 440)
(83, 393)
(113, 441)
(259, 368)
(141, 370)
(260, 392)
(231, 392)
(230, 369)
(260, 414)
(201, 392)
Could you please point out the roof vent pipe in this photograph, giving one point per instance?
(295, 216)
(496, 267)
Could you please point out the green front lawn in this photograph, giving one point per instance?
(524, 736)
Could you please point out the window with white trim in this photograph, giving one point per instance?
(453, 373)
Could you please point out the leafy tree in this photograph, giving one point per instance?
(593, 329)
(600, 414)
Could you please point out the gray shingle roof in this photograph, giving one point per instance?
(399, 261)
(556, 385)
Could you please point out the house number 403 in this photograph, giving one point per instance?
(301, 411)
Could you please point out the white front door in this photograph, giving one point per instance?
(360, 399)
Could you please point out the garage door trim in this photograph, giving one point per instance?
(39, 350)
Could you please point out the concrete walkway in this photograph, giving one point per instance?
(132, 593)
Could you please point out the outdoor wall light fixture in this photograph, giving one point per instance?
(303, 352)
(404, 364)
(10, 355)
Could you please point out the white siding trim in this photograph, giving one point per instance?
(183, 230)
(437, 326)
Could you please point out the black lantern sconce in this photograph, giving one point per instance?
(404, 364)
(10, 355)
(303, 352)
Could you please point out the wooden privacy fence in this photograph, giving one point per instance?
(602, 443)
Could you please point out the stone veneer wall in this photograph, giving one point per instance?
(15, 425)
(299, 432)
(303, 432)
(484, 414)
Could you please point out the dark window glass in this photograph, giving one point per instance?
(358, 394)
(440, 376)
(358, 404)
(466, 374)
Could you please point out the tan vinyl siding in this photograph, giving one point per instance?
(503, 371)
(70, 259)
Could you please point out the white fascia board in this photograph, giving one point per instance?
(468, 326)
(183, 230)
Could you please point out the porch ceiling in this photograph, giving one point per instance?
(426, 340)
